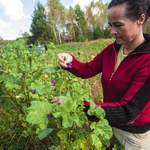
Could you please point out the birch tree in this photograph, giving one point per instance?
(57, 17)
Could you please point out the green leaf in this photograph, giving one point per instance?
(52, 70)
(57, 114)
(1, 78)
(43, 133)
(81, 144)
(78, 88)
(14, 72)
(68, 112)
(102, 128)
(39, 86)
(48, 88)
(68, 119)
(38, 113)
(63, 135)
(10, 84)
(96, 141)
(96, 111)
(1, 70)
(80, 135)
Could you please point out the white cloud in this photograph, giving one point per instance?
(12, 12)
(13, 34)
(4, 24)
(12, 9)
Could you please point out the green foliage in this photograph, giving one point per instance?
(28, 119)
(146, 27)
(81, 38)
(98, 33)
(40, 29)
(22, 70)
(2, 42)
(81, 26)
(74, 127)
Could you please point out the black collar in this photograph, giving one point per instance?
(144, 47)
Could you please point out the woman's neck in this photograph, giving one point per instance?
(128, 48)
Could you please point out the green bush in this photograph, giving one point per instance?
(28, 82)
(81, 38)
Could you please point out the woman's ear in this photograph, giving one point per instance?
(142, 19)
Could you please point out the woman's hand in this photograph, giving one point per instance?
(57, 100)
(64, 59)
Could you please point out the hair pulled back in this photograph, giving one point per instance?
(134, 8)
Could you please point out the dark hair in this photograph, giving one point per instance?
(134, 8)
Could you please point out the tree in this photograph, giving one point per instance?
(81, 23)
(71, 22)
(2, 41)
(57, 17)
(41, 31)
(25, 36)
(96, 17)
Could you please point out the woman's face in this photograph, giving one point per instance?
(123, 29)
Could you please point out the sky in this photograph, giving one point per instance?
(16, 15)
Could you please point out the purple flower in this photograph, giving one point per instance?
(53, 82)
(50, 116)
(33, 91)
(69, 65)
(110, 147)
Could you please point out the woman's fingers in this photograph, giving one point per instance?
(57, 100)
(62, 64)
(64, 59)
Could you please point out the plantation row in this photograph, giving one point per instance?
(29, 80)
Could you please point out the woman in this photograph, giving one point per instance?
(125, 68)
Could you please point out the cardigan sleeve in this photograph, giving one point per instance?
(87, 69)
